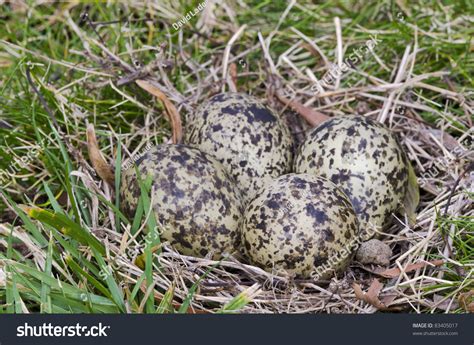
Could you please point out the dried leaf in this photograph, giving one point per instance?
(444, 303)
(312, 116)
(170, 109)
(395, 272)
(446, 139)
(103, 169)
(466, 301)
(388, 299)
(372, 295)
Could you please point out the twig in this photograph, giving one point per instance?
(228, 47)
(85, 16)
(339, 52)
(76, 153)
(313, 117)
(398, 78)
(42, 100)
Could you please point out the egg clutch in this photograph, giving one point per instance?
(236, 185)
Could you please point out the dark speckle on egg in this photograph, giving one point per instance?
(301, 224)
(195, 201)
(364, 159)
(248, 138)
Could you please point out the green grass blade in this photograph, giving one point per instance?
(45, 290)
(166, 304)
(107, 275)
(66, 226)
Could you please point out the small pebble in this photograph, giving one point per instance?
(374, 252)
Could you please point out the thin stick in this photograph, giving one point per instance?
(225, 61)
(401, 70)
(339, 52)
(42, 100)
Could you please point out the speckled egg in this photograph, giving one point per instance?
(196, 203)
(364, 158)
(249, 139)
(300, 224)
